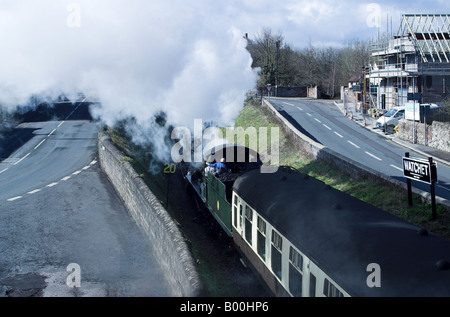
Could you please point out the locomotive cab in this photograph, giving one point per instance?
(215, 189)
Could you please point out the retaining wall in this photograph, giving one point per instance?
(357, 170)
(170, 248)
(437, 134)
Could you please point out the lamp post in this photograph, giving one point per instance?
(276, 67)
(414, 110)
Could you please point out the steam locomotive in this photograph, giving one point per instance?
(306, 239)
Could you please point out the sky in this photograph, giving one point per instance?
(331, 23)
(187, 58)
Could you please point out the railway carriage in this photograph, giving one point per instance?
(305, 238)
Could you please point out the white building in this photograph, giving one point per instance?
(415, 64)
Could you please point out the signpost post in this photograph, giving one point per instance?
(269, 87)
(422, 171)
(408, 182)
(432, 186)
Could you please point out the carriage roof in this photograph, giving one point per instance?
(343, 235)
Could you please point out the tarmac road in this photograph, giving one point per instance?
(57, 208)
(323, 122)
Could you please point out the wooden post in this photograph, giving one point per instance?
(408, 182)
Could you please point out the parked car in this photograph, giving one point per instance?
(390, 119)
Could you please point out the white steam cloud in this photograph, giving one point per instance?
(137, 57)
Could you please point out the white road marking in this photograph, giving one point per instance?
(22, 158)
(317, 120)
(356, 146)
(339, 135)
(53, 131)
(396, 167)
(14, 198)
(39, 144)
(52, 184)
(309, 114)
(375, 157)
(301, 109)
(289, 104)
(327, 127)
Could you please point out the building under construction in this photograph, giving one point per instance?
(413, 65)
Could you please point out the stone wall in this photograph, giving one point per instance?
(313, 92)
(436, 135)
(170, 248)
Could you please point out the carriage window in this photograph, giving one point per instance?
(296, 259)
(241, 212)
(295, 275)
(330, 290)
(277, 247)
(235, 210)
(261, 238)
(248, 225)
(312, 285)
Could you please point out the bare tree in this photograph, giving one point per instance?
(328, 68)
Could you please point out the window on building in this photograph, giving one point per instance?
(277, 247)
(248, 224)
(429, 81)
(295, 272)
(261, 238)
(330, 290)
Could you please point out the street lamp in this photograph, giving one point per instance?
(414, 96)
(414, 110)
(276, 67)
(269, 87)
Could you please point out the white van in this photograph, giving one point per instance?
(390, 118)
(413, 111)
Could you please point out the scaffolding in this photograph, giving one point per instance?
(430, 34)
(413, 65)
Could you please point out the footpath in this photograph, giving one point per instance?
(369, 123)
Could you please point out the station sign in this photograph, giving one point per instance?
(420, 170)
(423, 171)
